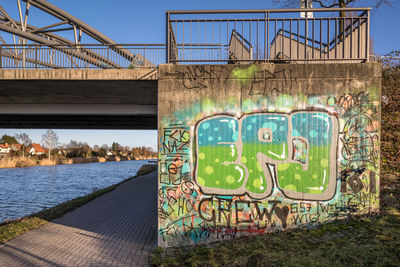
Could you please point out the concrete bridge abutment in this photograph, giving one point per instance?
(250, 149)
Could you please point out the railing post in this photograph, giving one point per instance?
(36, 56)
(1, 56)
(168, 36)
(108, 55)
(144, 56)
(367, 35)
(265, 37)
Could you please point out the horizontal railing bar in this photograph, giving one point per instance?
(196, 45)
(260, 20)
(262, 60)
(271, 11)
(79, 45)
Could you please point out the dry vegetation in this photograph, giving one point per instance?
(390, 149)
(16, 162)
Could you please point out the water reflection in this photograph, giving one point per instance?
(27, 190)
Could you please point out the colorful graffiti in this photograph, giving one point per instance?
(297, 151)
(265, 156)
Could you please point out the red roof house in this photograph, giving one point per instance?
(5, 148)
(36, 149)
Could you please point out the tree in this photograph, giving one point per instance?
(8, 139)
(115, 147)
(392, 60)
(25, 141)
(127, 149)
(102, 152)
(330, 3)
(78, 149)
(334, 4)
(105, 147)
(135, 152)
(50, 140)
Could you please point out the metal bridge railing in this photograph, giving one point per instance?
(218, 37)
(278, 35)
(81, 56)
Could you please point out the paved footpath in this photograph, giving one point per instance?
(116, 229)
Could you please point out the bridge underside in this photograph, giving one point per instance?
(78, 99)
(125, 122)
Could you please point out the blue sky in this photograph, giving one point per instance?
(134, 21)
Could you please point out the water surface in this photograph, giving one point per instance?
(27, 190)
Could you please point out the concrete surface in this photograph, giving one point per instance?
(116, 229)
(100, 95)
(195, 211)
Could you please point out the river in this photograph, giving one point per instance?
(24, 191)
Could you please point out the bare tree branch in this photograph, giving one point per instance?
(325, 6)
(331, 3)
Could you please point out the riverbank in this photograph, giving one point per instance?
(12, 229)
(18, 162)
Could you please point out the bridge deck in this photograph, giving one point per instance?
(118, 228)
(79, 99)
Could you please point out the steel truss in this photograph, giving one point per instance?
(24, 37)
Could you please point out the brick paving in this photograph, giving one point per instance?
(116, 229)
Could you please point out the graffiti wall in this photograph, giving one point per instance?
(251, 149)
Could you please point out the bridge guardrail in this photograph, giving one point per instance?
(277, 35)
(218, 37)
(80, 56)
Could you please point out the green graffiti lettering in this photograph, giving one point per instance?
(253, 154)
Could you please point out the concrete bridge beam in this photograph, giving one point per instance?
(60, 98)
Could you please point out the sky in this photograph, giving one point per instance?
(134, 21)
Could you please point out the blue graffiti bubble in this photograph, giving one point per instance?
(205, 125)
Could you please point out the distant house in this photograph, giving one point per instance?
(61, 152)
(5, 148)
(109, 153)
(35, 149)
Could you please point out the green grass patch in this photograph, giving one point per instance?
(366, 241)
(18, 227)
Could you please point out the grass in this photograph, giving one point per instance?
(362, 241)
(18, 227)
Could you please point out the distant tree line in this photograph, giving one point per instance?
(76, 149)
